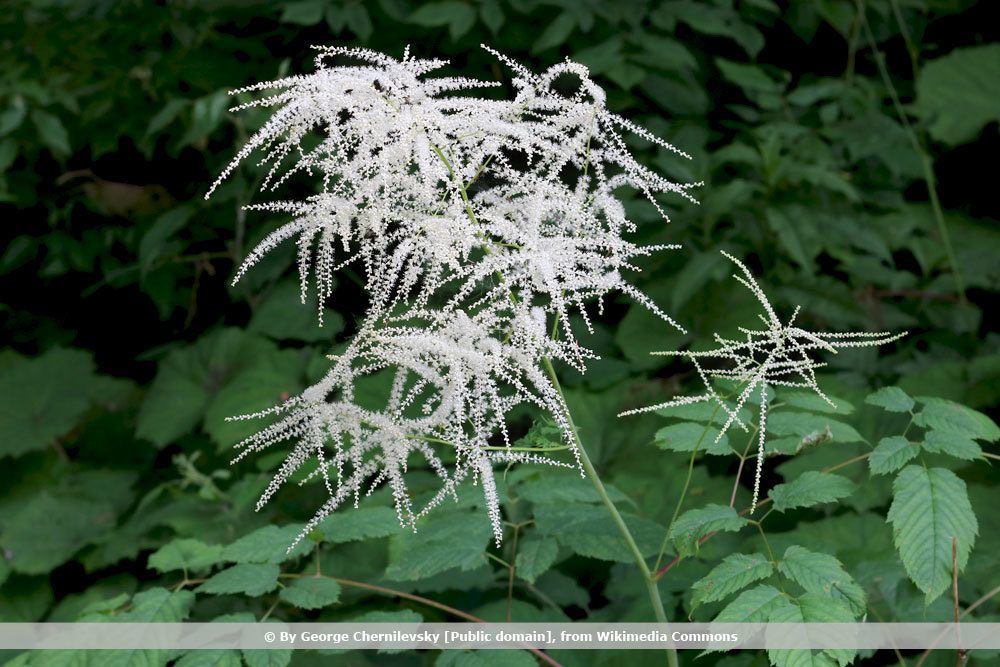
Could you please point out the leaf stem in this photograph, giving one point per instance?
(640, 561)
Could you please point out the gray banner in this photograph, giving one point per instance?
(187, 636)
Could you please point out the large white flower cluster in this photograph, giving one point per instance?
(482, 225)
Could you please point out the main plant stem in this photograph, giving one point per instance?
(595, 479)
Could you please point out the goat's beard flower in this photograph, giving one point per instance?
(482, 226)
(779, 355)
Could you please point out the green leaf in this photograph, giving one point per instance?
(806, 425)
(823, 574)
(735, 572)
(35, 405)
(813, 402)
(485, 658)
(446, 540)
(303, 12)
(950, 417)
(751, 606)
(810, 608)
(695, 524)
(363, 523)
(267, 657)
(686, 436)
(556, 33)
(250, 579)
(269, 544)
(311, 592)
(218, 657)
(929, 508)
(590, 531)
(458, 16)
(891, 454)
(557, 486)
(952, 444)
(51, 131)
(154, 243)
(892, 399)
(811, 488)
(185, 554)
(957, 94)
(535, 556)
(283, 316)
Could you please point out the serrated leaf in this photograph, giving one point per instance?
(929, 508)
(892, 399)
(950, 417)
(218, 657)
(891, 454)
(952, 444)
(686, 436)
(810, 608)
(447, 540)
(51, 131)
(823, 574)
(811, 488)
(269, 544)
(267, 657)
(311, 592)
(363, 523)
(535, 556)
(813, 402)
(556, 486)
(185, 554)
(251, 579)
(735, 572)
(283, 316)
(695, 524)
(485, 658)
(957, 94)
(590, 531)
(806, 425)
(751, 606)
(35, 405)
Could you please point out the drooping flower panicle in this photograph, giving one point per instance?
(483, 226)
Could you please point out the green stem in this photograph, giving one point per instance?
(640, 561)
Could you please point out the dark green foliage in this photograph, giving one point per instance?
(848, 158)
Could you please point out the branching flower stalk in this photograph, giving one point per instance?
(778, 355)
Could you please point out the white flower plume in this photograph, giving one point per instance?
(483, 225)
(778, 355)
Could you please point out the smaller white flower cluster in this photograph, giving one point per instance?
(483, 225)
(776, 356)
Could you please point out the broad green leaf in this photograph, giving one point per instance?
(185, 554)
(735, 572)
(158, 605)
(267, 657)
(556, 33)
(270, 544)
(813, 402)
(952, 444)
(485, 658)
(283, 316)
(891, 454)
(810, 608)
(957, 94)
(557, 486)
(695, 524)
(219, 657)
(447, 540)
(686, 436)
(892, 399)
(458, 16)
(51, 131)
(806, 425)
(534, 556)
(394, 617)
(950, 417)
(751, 606)
(929, 508)
(36, 404)
(311, 592)
(363, 523)
(811, 488)
(590, 531)
(252, 579)
(303, 12)
(823, 574)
